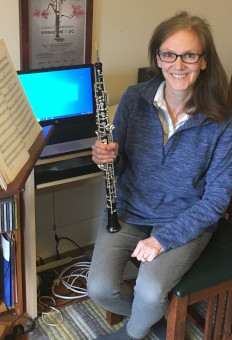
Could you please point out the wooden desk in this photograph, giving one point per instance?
(30, 227)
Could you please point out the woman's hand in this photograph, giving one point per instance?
(104, 153)
(147, 250)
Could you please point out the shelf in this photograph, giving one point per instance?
(14, 189)
(18, 306)
(70, 180)
(17, 185)
(4, 328)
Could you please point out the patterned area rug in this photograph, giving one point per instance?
(86, 321)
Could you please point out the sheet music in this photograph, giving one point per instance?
(13, 152)
(16, 99)
(18, 125)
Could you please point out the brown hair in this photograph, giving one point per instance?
(211, 87)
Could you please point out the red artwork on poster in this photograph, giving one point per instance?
(56, 33)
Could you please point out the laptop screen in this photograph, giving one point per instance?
(60, 96)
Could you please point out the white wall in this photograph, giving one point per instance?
(9, 28)
(122, 30)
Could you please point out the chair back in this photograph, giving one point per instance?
(230, 94)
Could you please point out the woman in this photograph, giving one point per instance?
(173, 157)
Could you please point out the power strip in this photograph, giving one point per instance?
(57, 263)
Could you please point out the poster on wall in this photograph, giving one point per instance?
(55, 32)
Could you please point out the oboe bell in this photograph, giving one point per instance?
(104, 134)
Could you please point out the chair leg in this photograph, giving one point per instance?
(113, 318)
(177, 315)
(208, 329)
(228, 317)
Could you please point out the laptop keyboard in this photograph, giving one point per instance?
(71, 133)
(51, 172)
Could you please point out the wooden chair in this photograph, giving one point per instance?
(209, 280)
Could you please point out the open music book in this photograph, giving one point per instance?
(18, 125)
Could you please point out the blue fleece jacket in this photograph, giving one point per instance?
(183, 187)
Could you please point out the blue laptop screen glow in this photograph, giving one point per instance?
(60, 93)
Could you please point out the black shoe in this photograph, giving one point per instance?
(121, 334)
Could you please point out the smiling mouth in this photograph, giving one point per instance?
(179, 75)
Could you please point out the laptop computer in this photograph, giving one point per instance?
(63, 97)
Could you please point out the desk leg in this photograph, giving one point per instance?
(30, 246)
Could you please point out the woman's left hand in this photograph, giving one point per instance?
(147, 250)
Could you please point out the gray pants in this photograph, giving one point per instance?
(148, 302)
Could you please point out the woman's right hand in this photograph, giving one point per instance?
(104, 153)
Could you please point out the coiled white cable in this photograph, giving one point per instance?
(53, 309)
(69, 281)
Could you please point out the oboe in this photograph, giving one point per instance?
(104, 134)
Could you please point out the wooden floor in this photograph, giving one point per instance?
(8, 322)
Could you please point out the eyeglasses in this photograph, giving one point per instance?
(188, 58)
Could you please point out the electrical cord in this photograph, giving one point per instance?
(57, 238)
(69, 280)
(20, 329)
(53, 308)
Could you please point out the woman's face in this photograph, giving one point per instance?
(180, 76)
